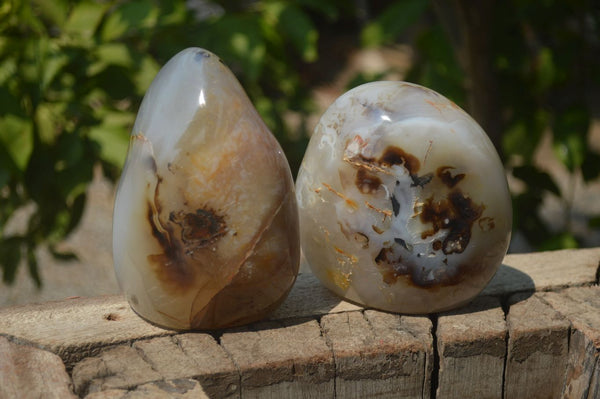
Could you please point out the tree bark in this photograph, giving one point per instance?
(469, 25)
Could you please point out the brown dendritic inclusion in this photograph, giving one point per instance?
(198, 230)
(454, 214)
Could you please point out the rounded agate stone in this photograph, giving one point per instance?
(205, 231)
(403, 200)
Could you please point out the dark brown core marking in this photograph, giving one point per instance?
(397, 156)
(199, 229)
(367, 182)
(169, 266)
(456, 213)
(443, 172)
(390, 265)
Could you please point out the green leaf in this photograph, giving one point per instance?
(393, 22)
(266, 109)
(546, 69)
(594, 222)
(524, 134)
(10, 257)
(40, 175)
(54, 11)
(174, 14)
(526, 219)
(536, 179)
(17, 137)
(50, 119)
(563, 240)
(63, 256)
(590, 168)
(65, 220)
(85, 18)
(28, 18)
(74, 182)
(129, 17)
(70, 151)
(113, 143)
(58, 229)
(114, 54)
(440, 70)
(74, 174)
(53, 65)
(327, 8)
(9, 103)
(8, 69)
(115, 82)
(296, 25)
(570, 131)
(77, 206)
(147, 70)
(113, 137)
(240, 39)
(32, 265)
(107, 54)
(4, 177)
(570, 151)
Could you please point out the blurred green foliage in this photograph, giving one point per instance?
(73, 73)
(542, 60)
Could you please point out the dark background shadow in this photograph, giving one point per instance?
(500, 291)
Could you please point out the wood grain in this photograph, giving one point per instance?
(318, 345)
(27, 372)
(538, 346)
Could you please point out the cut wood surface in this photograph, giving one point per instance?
(27, 372)
(182, 356)
(533, 332)
(471, 347)
(538, 347)
(277, 359)
(545, 271)
(76, 328)
(380, 354)
(581, 306)
(181, 388)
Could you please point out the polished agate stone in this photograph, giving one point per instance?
(403, 200)
(205, 231)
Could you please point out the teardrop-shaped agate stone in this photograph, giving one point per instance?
(205, 221)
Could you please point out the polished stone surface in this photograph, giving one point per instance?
(205, 221)
(404, 204)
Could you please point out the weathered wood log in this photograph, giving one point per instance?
(581, 306)
(281, 359)
(180, 388)
(27, 372)
(534, 332)
(380, 354)
(98, 322)
(471, 344)
(538, 347)
(185, 356)
(545, 271)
